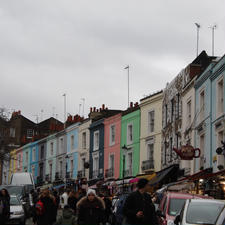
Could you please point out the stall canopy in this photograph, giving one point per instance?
(162, 176)
(146, 176)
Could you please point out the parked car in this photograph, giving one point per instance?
(23, 194)
(17, 214)
(171, 204)
(202, 211)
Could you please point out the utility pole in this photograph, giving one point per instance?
(64, 95)
(213, 29)
(198, 27)
(128, 83)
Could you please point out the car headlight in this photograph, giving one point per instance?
(170, 222)
(18, 212)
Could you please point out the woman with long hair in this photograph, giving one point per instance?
(4, 206)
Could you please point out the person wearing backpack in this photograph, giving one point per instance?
(67, 217)
(4, 206)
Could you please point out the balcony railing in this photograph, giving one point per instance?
(95, 174)
(109, 173)
(128, 172)
(80, 174)
(147, 164)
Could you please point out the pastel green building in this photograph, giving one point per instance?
(130, 142)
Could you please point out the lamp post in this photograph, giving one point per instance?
(124, 148)
(66, 157)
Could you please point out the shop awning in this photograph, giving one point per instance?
(162, 175)
(146, 176)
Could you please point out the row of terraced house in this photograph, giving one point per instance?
(116, 144)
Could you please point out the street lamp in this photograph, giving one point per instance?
(66, 157)
(124, 148)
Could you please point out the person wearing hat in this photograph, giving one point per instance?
(90, 209)
(138, 207)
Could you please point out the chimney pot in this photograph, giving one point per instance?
(91, 109)
(103, 106)
(94, 109)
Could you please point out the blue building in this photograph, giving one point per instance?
(72, 150)
(206, 98)
(34, 160)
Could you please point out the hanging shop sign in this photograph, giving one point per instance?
(188, 152)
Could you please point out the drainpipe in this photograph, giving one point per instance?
(210, 120)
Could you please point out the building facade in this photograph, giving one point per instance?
(150, 133)
(112, 146)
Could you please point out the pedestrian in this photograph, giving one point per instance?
(72, 201)
(90, 209)
(57, 198)
(108, 207)
(67, 217)
(47, 215)
(138, 207)
(64, 198)
(4, 206)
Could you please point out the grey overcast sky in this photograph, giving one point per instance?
(80, 47)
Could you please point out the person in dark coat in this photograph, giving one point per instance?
(72, 201)
(138, 207)
(90, 209)
(49, 213)
(67, 217)
(108, 207)
(4, 206)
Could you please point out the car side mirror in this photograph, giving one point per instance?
(177, 220)
(160, 213)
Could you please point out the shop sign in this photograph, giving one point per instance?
(188, 152)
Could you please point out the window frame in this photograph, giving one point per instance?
(96, 140)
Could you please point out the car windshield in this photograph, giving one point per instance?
(175, 206)
(14, 200)
(15, 190)
(203, 212)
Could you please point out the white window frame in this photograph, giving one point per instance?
(61, 144)
(219, 97)
(151, 122)
(112, 142)
(150, 156)
(96, 140)
(72, 145)
(130, 138)
(84, 140)
(127, 165)
(33, 155)
(111, 166)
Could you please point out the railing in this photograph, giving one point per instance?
(80, 174)
(109, 172)
(95, 174)
(128, 172)
(147, 164)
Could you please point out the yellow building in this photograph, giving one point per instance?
(12, 165)
(150, 134)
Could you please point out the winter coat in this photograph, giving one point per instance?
(90, 212)
(5, 211)
(72, 202)
(139, 202)
(67, 218)
(49, 214)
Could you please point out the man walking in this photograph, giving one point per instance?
(138, 207)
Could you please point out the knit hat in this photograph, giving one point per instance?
(91, 191)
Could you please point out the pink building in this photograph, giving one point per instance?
(112, 146)
(19, 159)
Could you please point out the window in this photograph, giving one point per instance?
(189, 113)
(202, 147)
(42, 152)
(220, 138)
(33, 155)
(96, 140)
(50, 170)
(151, 121)
(166, 114)
(83, 162)
(95, 166)
(112, 134)
(72, 142)
(33, 171)
(172, 109)
(129, 163)
(220, 97)
(178, 106)
(84, 140)
(12, 132)
(60, 167)
(129, 134)
(19, 161)
(61, 145)
(150, 151)
(30, 133)
(111, 161)
(26, 157)
(52, 145)
(202, 105)
(171, 148)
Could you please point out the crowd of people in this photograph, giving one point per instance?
(84, 207)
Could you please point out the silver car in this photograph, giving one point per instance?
(17, 215)
(202, 212)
